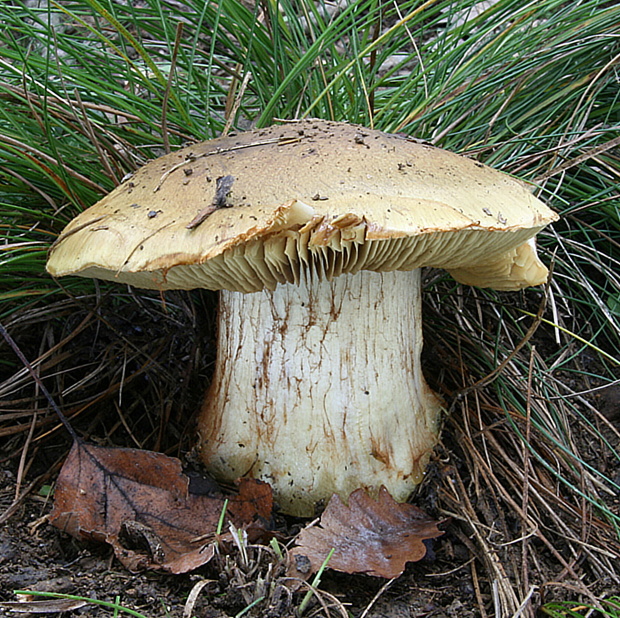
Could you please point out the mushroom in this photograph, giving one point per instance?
(315, 232)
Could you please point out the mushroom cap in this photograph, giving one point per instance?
(248, 211)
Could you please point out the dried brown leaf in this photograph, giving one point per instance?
(376, 537)
(255, 500)
(139, 502)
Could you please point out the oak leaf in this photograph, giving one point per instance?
(375, 537)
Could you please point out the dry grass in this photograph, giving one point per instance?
(524, 474)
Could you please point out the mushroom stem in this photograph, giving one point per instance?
(318, 389)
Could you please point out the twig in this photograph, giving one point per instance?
(589, 154)
(526, 473)
(216, 151)
(223, 187)
(525, 602)
(376, 597)
(74, 230)
(33, 373)
(22, 458)
(42, 156)
(8, 513)
(89, 130)
(188, 610)
(237, 103)
(476, 583)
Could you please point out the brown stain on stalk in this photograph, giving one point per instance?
(380, 454)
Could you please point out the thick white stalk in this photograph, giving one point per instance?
(318, 389)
